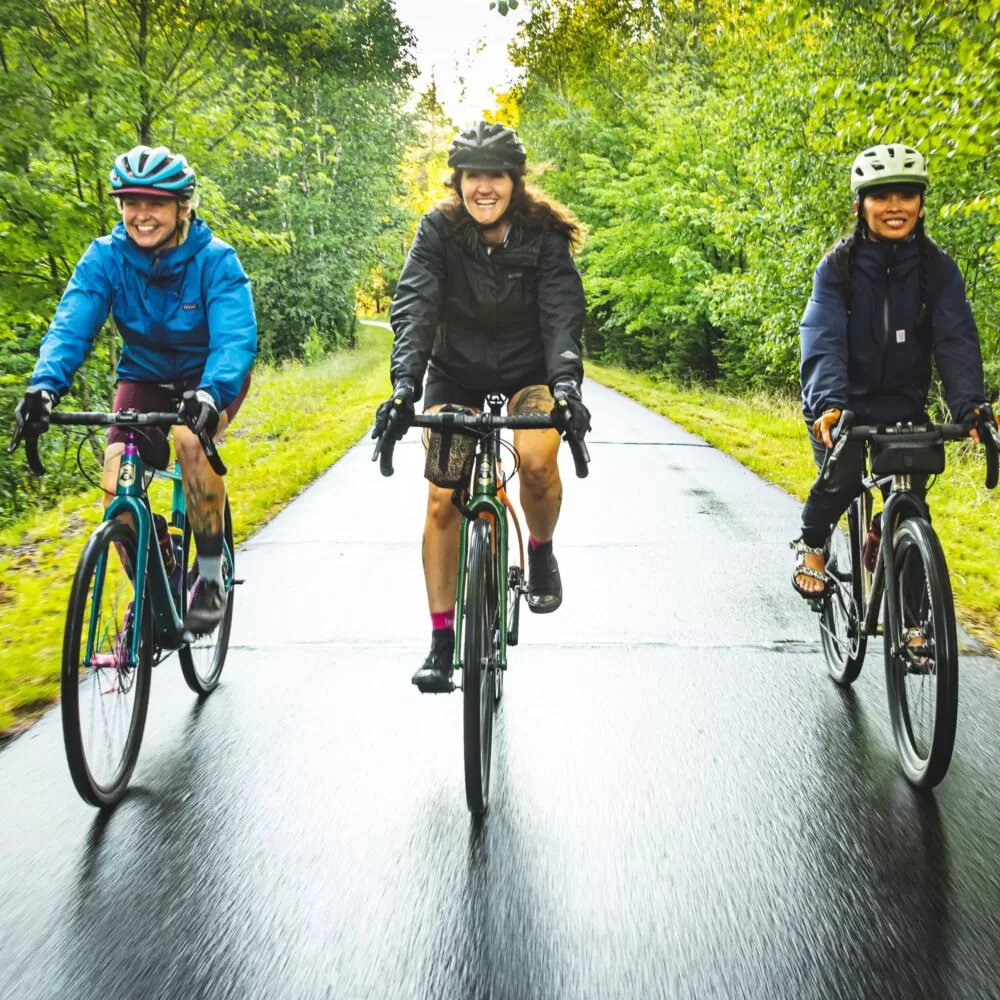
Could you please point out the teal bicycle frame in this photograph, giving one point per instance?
(131, 499)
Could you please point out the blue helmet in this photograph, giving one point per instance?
(157, 173)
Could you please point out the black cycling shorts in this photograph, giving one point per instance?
(440, 389)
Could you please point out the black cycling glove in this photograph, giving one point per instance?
(403, 394)
(200, 412)
(569, 413)
(33, 412)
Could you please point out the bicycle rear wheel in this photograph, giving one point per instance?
(479, 667)
(202, 660)
(840, 624)
(922, 675)
(104, 695)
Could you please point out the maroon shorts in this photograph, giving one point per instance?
(155, 397)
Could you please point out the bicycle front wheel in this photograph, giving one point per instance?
(202, 660)
(104, 693)
(921, 655)
(840, 624)
(479, 667)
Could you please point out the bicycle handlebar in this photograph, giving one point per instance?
(123, 418)
(846, 430)
(481, 423)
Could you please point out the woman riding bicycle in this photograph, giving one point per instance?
(182, 304)
(489, 301)
(885, 300)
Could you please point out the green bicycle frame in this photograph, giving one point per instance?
(131, 499)
(484, 501)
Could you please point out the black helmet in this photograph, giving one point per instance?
(487, 147)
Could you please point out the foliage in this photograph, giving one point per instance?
(765, 432)
(706, 145)
(292, 113)
(273, 451)
(425, 169)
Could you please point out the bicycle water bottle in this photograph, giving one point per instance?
(166, 544)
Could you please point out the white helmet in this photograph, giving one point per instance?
(895, 163)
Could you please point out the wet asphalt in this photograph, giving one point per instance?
(683, 804)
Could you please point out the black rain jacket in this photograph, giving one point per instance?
(877, 360)
(489, 319)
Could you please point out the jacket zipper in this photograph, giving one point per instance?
(885, 314)
(885, 302)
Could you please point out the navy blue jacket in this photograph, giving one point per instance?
(877, 361)
(180, 312)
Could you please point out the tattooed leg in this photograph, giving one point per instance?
(109, 479)
(109, 482)
(541, 487)
(204, 491)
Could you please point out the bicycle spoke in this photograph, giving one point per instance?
(105, 692)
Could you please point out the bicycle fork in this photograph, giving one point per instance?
(485, 504)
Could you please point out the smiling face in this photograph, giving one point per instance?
(149, 221)
(486, 194)
(892, 215)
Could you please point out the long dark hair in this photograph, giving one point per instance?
(845, 252)
(529, 209)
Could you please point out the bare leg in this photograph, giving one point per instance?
(541, 487)
(440, 549)
(204, 490)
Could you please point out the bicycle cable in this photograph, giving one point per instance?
(89, 435)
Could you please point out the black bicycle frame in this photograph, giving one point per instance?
(902, 503)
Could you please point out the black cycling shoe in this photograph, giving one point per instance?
(208, 605)
(434, 677)
(544, 584)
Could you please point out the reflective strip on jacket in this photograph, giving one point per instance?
(181, 311)
(487, 317)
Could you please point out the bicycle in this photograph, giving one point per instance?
(908, 583)
(116, 631)
(487, 610)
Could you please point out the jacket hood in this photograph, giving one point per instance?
(163, 263)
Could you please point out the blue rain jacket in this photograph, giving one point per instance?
(180, 312)
(877, 361)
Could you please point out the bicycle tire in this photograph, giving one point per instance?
(479, 665)
(204, 682)
(83, 683)
(925, 761)
(841, 626)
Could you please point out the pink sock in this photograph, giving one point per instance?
(442, 619)
(533, 542)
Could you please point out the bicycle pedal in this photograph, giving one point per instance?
(237, 583)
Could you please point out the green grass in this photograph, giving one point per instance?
(768, 436)
(295, 423)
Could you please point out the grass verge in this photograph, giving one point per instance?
(767, 435)
(296, 422)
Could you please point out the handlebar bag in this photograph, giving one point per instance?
(909, 455)
(450, 454)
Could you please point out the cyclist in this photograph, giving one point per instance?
(182, 304)
(489, 301)
(884, 301)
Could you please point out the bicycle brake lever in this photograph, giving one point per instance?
(30, 449)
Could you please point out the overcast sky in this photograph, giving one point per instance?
(461, 39)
